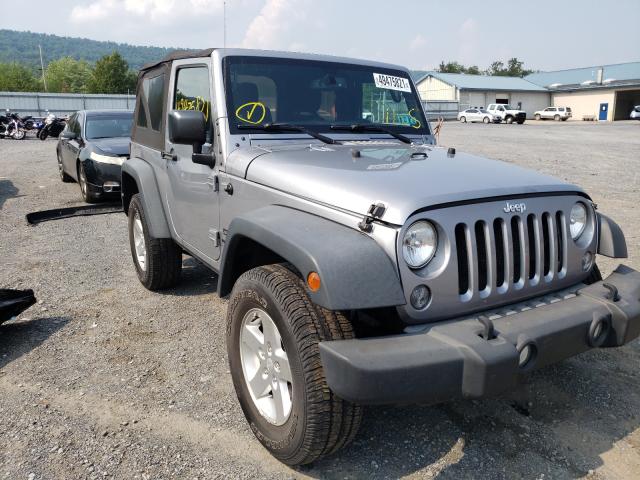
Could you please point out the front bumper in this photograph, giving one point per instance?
(100, 173)
(452, 360)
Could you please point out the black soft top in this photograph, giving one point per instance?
(178, 55)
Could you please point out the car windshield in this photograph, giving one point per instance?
(109, 126)
(483, 111)
(318, 95)
(508, 107)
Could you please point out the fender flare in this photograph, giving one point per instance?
(355, 272)
(142, 173)
(611, 241)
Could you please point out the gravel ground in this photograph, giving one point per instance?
(104, 379)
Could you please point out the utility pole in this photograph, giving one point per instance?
(224, 23)
(44, 80)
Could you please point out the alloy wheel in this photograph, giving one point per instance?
(265, 366)
(139, 243)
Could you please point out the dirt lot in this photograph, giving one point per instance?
(105, 379)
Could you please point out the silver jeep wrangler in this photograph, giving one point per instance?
(363, 263)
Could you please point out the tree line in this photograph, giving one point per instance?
(110, 74)
(513, 68)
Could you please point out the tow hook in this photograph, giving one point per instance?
(613, 292)
(376, 210)
(489, 332)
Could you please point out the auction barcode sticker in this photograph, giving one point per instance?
(391, 83)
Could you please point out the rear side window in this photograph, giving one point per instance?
(154, 93)
(141, 121)
(150, 109)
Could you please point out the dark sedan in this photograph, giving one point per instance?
(91, 150)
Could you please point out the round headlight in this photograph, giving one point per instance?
(419, 244)
(577, 220)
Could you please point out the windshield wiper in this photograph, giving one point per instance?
(362, 127)
(286, 127)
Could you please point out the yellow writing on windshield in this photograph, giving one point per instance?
(198, 104)
(416, 123)
(252, 112)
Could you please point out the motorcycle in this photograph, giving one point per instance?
(11, 126)
(52, 127)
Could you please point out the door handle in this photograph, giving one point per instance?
(170, 156)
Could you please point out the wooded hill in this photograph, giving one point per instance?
(22, 47)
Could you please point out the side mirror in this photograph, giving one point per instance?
(189, 127)
(68, 135)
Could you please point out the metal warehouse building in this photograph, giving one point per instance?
(607, 92)
(482, 90)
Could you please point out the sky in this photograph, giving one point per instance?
(546, 35)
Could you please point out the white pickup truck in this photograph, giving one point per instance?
(507, 113)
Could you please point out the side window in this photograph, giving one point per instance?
(69, 126)
(76, 125)
(192, 92)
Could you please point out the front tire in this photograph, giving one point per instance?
(63, 176)
(594, 275)
(87, 195)
(556, 118)
(19, 134)
(537, 117)
(485, 120)
(158, 261)
(290, 408)
(463, 119)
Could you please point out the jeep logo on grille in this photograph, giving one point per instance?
(514, 207)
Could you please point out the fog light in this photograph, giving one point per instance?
(110, 186)
(527, 355)
(599, 330)
(587, 261)
(420, 297)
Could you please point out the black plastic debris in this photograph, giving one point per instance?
(84, 210)
(14, 302)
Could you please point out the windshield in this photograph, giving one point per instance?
(317, 95)
(109, 126)
(508, 107)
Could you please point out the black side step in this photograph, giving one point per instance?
(14, 302)
(84, 210)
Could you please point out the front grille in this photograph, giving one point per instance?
(502, 256)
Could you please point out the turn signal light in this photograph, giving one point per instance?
(313, 281)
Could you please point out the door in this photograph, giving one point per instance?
(71, 147)
(604, 111)
(548, 112)
(192, 195)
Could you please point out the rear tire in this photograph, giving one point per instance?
(556, 118)
(158, 261)
(509, 120)
(318, 423)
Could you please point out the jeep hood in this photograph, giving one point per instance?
(352, 177)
